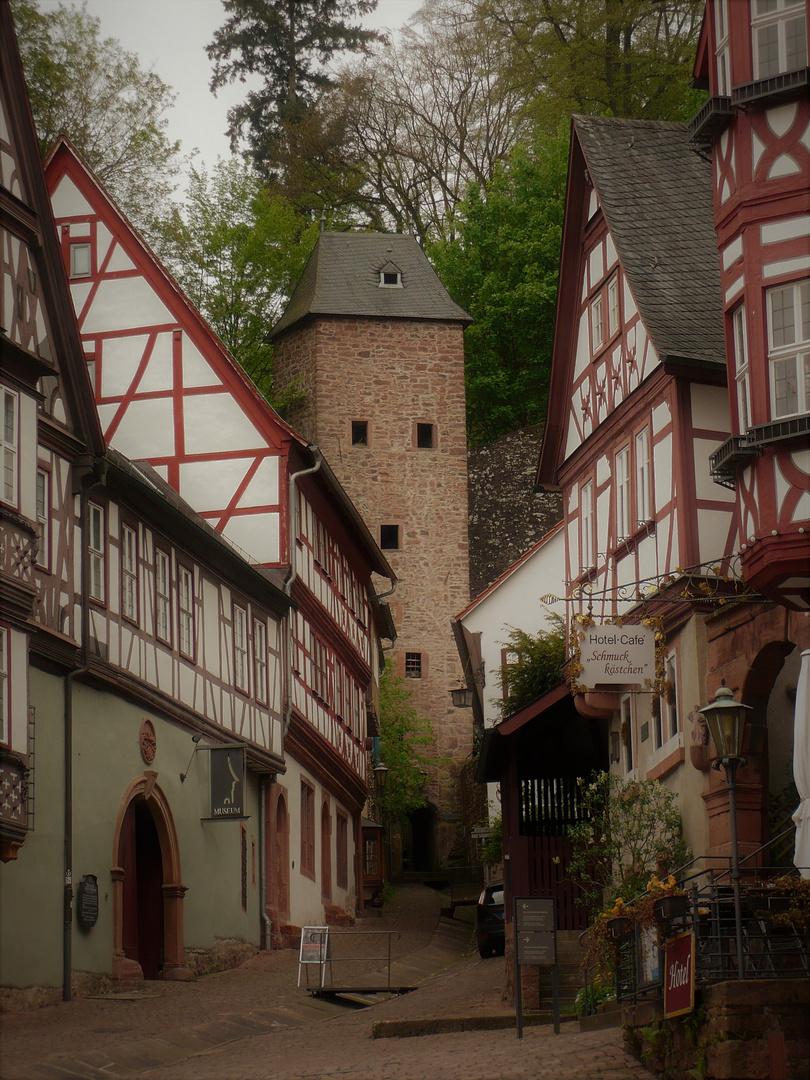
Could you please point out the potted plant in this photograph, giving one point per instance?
(619, 923)
(782, 902)
(669, 902)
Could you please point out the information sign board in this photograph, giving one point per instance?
(534, 948)
(535, 913)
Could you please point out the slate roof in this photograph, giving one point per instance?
(342, 277)
(656, 195)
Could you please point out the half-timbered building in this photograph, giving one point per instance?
(168, 392)
(143, 660)
(755, 127)
(638, 382)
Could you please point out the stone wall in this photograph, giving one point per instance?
(507, 516)
(754, 1030)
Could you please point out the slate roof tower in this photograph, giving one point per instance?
(377, 344)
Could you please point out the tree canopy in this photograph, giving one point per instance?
(113, 111)
(502, 267)
(535, 668)
(403, 737)
(288, 45)
(237, 254)
(630, 58)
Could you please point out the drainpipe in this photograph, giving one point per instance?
(89, 481)
(267, 924)
(288, 584)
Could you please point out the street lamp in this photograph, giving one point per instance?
(380, 776)
(725, 719)
(462, 697)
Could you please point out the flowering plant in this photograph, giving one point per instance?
(668, 887)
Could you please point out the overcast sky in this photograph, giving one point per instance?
(171, 35)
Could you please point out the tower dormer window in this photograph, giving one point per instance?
(390, 277)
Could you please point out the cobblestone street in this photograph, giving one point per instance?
(254, 1022)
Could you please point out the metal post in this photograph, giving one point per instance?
(730, 765)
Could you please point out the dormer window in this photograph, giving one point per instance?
(390, 277)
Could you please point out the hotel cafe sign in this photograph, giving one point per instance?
(612, 655)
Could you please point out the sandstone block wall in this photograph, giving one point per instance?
(395, 374)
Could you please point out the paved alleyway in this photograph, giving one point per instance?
(253, 1022)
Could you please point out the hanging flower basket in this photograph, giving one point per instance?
(670, 907)
(620, 927)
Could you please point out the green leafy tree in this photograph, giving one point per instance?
(537, 668)
(288, 45)
(630, 58)
(113, 111)
(503, 268)
(237, 255)
(404, 736)
(630, 830)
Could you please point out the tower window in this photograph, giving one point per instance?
(413, 665)
(425, 436)
(359, 432)
(389, 537)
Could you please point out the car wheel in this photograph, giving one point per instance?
(485, 951)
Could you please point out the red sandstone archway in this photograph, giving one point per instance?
(144, 797)
(278, 861)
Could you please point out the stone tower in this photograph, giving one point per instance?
(376, 342)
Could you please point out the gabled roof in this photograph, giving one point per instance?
(342, 277)
(49, 344)
(656, 195)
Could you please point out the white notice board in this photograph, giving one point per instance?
(314, 950)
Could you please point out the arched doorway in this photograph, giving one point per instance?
(142, 915)
(147, 887)
(279, 863)
(421, 840)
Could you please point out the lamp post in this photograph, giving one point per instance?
(726, 719)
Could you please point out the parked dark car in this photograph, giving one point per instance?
(489, 925)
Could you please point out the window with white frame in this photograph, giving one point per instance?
(779, 32)
(260, 661)
(5, 687)
(644, 509)
(240, 649)
(163, 602)
(586, 525)
(129, 573)
(44, 518)
(96, 552)
(185, 611)
(626, 732)
(80, 260)
(621, 480)
(613, 305)
(789, 348)
(741, 368)
(721, 48)
(11, 446)
(597, 330)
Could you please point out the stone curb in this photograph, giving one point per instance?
(405, 1029)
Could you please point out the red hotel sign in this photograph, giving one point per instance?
(679, 975)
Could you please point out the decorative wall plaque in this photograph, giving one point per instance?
(148, 740)
(87, 910)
